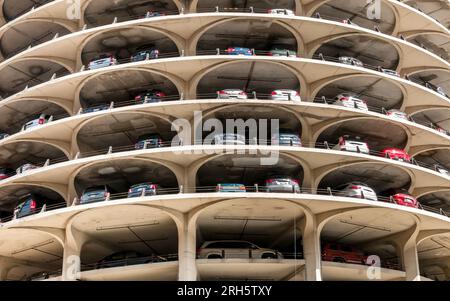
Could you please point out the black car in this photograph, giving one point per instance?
(138, 190)
(31, 204)
(6, 173)
(149, 141)
(3, 136)
(127, 258)
(150, 96)
(96, 108)
(145, 54)
(95, 194)
(437, 89)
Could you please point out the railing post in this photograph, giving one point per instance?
(324, 99)
(182, 52)
(77, 156)
(251, 9)
(182, 11)
(321, 57)
(256, 188)
(253, 51)
(115, 20)
(181, 189)
(47, 163)
(326, 144)
(111, 105)
(217, 51)
(110, 150)
(83, 68)
(254, 95)
(182, 96)
(75, 201)
(44, 208)
(329, 191)
(143, 193)
(145, 144)
(217, 9)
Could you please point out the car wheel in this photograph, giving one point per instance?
(269, 256)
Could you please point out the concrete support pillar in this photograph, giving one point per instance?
(187, 268)
(410, 260)
(4, 273)
(311, 249)
(74, 241)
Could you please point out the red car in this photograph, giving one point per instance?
(343, 253)
(405, 200)
(396, 154)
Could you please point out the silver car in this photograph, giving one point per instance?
(390, 72)
(357, 190)
(26, 167)
(102, 61)
(227, 138)
(235, 249)
(397, 114)
(350, 61)
(282, 184)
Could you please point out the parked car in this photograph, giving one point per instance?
(3, 136)
(357, 190)
(343, 253)
(39, 276)
(437, 89)
(282, 184)
(349, 22)
(103, 60)
(441, 130)
(39, 120)
(97, 108)
(443, 170)
(285, 94)
(231, 94)
(30, 204)
(150, 96)
(152, 14)
(390, 72)
(280, 11)
(149, 141)
(282, 52)
(94, 194)
(396, 154)
(350, 61)
(239, 51)
(234, 249)
(397, 114)
(403, 198)
(147, 54)
(125, 258)
(5, 173)
(142, 189)
(352, 144)
(229, 138)
(26, 167)
(286, 137)
(230, 187)
(350, 101)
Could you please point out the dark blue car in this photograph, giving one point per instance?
(142, 189)
(148, 141)
(97, 108)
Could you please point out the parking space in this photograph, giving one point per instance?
(30, 252)
(11, 197)
(438, 44)
(367, 50)
(124, 131)
(351, 237)
(378, 93)
(126, 235)
(378, 134)
(381, 178)
(436, 80)
(242, 5)
(262, 36)
(13, 8)
(23, 35)
(438, 10)
(103, 12)
(16, 115)
(246, 170)
(356, 12)
(434, 257)
(435, 118)
(118, 177)
(250, 230)
(124, 86)
(437, 200)
(126, 43)
(261, 78)
(16, 76)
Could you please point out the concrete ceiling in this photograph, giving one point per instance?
(207, 5)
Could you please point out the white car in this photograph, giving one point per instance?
(285, 94)
(352, 145)
(350, 101)
(234, 249)
(231, 94)
(443, 171)
(397, 114)
(281, 11)
(40, 120)
(26, 167)
(390, 72)
(350, 61)
(358, 190)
